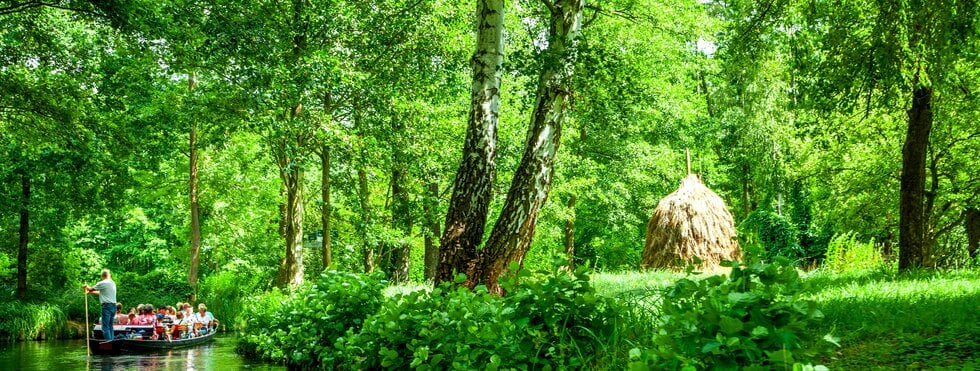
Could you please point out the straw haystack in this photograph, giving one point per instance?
(692, 221)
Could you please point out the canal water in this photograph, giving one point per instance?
(69, 355)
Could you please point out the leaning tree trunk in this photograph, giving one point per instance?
(195, 205)
(466, 218)
(25, 217)
(911, 229)
(971, 221)
(512, 234)
(429, 208)
(327, 207)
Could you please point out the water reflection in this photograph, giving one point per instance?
(64, 355)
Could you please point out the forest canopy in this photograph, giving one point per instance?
(199, 141)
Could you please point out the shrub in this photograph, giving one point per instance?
(776, 234)
(548, 320)
(753, 318)
(300, 330)
(225, 292)
(156, 287)
(846, 253)
(447, 328)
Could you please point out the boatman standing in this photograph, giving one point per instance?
(106, 290)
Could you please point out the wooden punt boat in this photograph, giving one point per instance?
(101, 346)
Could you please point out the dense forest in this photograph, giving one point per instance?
(212, 150)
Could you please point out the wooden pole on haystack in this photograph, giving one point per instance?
(687, 152)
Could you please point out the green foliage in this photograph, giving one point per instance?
(754, 318)
(225, 293)
(447, 328)
(27, 321)
(300, 329)
(775, 234)
(157, 287)
(846, 253)
(546, 321)
(8, 267)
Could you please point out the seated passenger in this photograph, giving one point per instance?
(172, 314)
(121, 318)
(205, 318)
(180, 327)
(147, 318)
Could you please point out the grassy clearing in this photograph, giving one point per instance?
(921, 320)
(927, 319)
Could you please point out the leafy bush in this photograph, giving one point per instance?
(447, 328)
(156, 287)
(776, 235)
(300, 330)
(846, 253)
(753, 318)
(546, 321)
(225, 292)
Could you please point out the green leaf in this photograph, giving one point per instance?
(730, 325)
(710, 347)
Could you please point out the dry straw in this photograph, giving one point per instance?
(691, 222)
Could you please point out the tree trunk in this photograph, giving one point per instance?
(512, 234)
(401, 220)
(292, 178)
(327, 207)
(971, 222)
(746, 208)
(364, 198)
(290, 169)
(472, 189)
(195, 205)
(911, 219)
(570, 233)
(929, 232)
(430, 207)
(25, 217)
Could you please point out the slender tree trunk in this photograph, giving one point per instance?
(25, 217)
(364, 198)
(327, 207)
(472, 189)
(401, 220)
(570, 233)
(430, 207)
(746, 208)
(707, 94)
(195, 205)
(971, 222)
(514, 230)
(911, 222)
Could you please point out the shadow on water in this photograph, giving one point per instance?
(71, 355)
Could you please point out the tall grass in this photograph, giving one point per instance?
(25, 321)
(877, 303)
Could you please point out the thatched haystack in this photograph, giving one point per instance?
(692, 221)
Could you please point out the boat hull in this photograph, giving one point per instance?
(100, 346)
